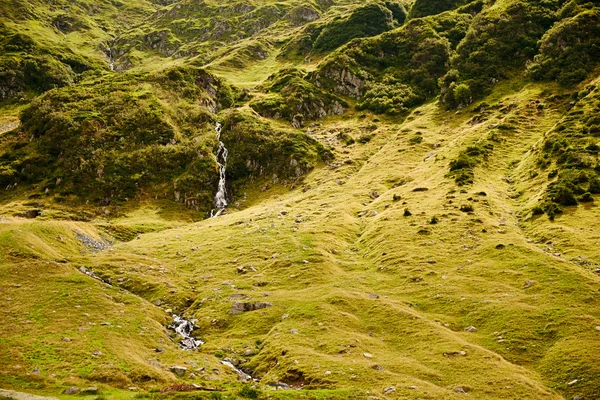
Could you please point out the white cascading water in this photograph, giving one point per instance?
(244, 377)
(220, 201)
(184, 328)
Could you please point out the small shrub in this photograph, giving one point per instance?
(462, 95)
(563, 195)
(249, 393)
(365, 138)
(407, 213)
(417, 139)
(434, 220)
(537, 210)
(586, 198)
(466, 208)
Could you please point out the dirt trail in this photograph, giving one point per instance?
(8, 126)
(10, 394)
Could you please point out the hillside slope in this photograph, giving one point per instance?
(410, 192)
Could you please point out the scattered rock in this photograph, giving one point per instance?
(327, 372)
(374, 195)
(373, 296)
(90, 390)
(178, 370)
(71, 390)
(368, 355)
(241, 270)
(412, 387)
(36, 370)
(283, 212)
(31, 214)
(454, 353)
(528, 283)
(159, 350)
(285, 316)
(598, 328)
(377, 367)
(500, 247)
(459, 390)
(471, 329)
(66, 339)
(390, 389)
(249, 353)
(91, 243)
(238, 307)
(97, 353)
(574, 381)
(294, 331)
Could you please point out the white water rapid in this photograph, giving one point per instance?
(184, 328)
(244, 377)
(220, 201)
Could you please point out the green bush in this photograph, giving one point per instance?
(502, 39)
(389, 97)
(249, 393)
(293, 98)
(423, 8)
(462, 168)
(392, 72)
(370, 20)
(569, 51)
(462, 95)
(112, 140)
(256, 149)
(563, 195)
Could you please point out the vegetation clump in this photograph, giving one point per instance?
(369, 20)
(502, 39)
(462, 169)
(293, 98)
(394, 71)
(569, 50)
(423, 8)
(571, 149)
(257, 150)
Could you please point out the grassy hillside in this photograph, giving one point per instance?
(411, 192)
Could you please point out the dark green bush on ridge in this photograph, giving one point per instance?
(502, 39)
(394, 71)
(114, 138)
(569, 51)
(293, 98)
(570, 149)
(423, 8)
(369, 20)
(462, 169)
(258, 150)
(366, 21)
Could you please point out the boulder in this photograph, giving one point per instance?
(71, 390)
(178, 370)
(239, 307)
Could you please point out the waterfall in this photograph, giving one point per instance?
(244, 377)
(220, 201)
(111, 55)
(111, 63)
(184, 328)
